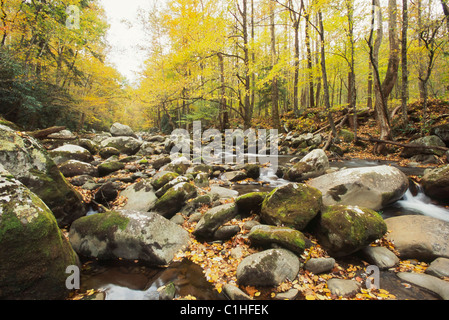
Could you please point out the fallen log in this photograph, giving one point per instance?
(404, 145)
(42, 134)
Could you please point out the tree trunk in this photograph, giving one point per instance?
(404, 62)
(274, 84)
(309, 61)
(324, 75)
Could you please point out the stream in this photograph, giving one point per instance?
(121, 280)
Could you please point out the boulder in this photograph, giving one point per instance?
(29, 163)
(439, 268)
(108, 192)
(428, 141)
(202, 180)
(438, 286)
(179, 179)
(34, 253)
(89, 145)
(343, 287)
(121, 130)
(126, 145)
(250, 202)
(419, 237)
(266, 236)
(312, 165)
(369, 187)
(108, 152)
(213, 219)
(73, 168)
(252, 171)
(108, 167)
(70, 152)
(234, 176)
(130, 235)
(234, 293)
(343, 230)
(436, 183)
(223, 193)
(162, 178)
(319, 265)
(380, 256)
(174, 199)
(442, 132)
(268, 268)
(62, 135)
(140, 195)
(293, 205)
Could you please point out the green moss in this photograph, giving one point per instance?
(109, 167)
(288, 238)
(165, 178)
(101, 225)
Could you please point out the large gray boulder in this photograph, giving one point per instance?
(438, 286)
(140, 196)
(268, 268)
(130, 235)
(419, 237)
(370, 187)
(121, 130)
(213, 219)
(34, 253)
(29, 163)
(427, 141)
(174, 199)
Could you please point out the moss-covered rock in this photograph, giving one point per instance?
(174, 199)
(436, 183)
(27, 160)
(129, 235)
(126, 145)
(70, 152)
(163, 177)
(288, 238)
(34, 253)
(250, 202)
(109, 167)
(293, 205)
(343, 230)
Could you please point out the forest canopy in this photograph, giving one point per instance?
(228, 63)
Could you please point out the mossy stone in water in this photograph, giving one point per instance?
(288, 238)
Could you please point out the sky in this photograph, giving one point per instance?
(125, 35)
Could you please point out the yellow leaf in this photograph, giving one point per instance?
(310, 297)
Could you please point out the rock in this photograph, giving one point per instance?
(28, 162)
(343, 230)
(162, 178)
(268, 268)
(225, 233)
(380, 256)
(343, 288)
(439, 268)
(34, 254)
(442, 132)
(234, 293)
(436, 183)
(70, 152)
(250, 202)
(302, 141)
(106, 193)
(126, 145)
(174, 199)
(288, 295)
(252, 171)
(234, 176)
(130, 235)
(108, 167)
(140, 195)
(312, 165)
(177, 219)
(346, 135)
(223, 193)
(146, 149)
(89, 145)
(419, 237)
(160, 162)
(108, 152)
(155, 138)
(370, 187)
(319, 265)
(281, 207)
(63, 135)
(213, 219)
(428, 141)
(167, 292)
(73, 168)
(121, 130)
(161, 191)
(202, 180)
(266, 236)
(438, 286)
